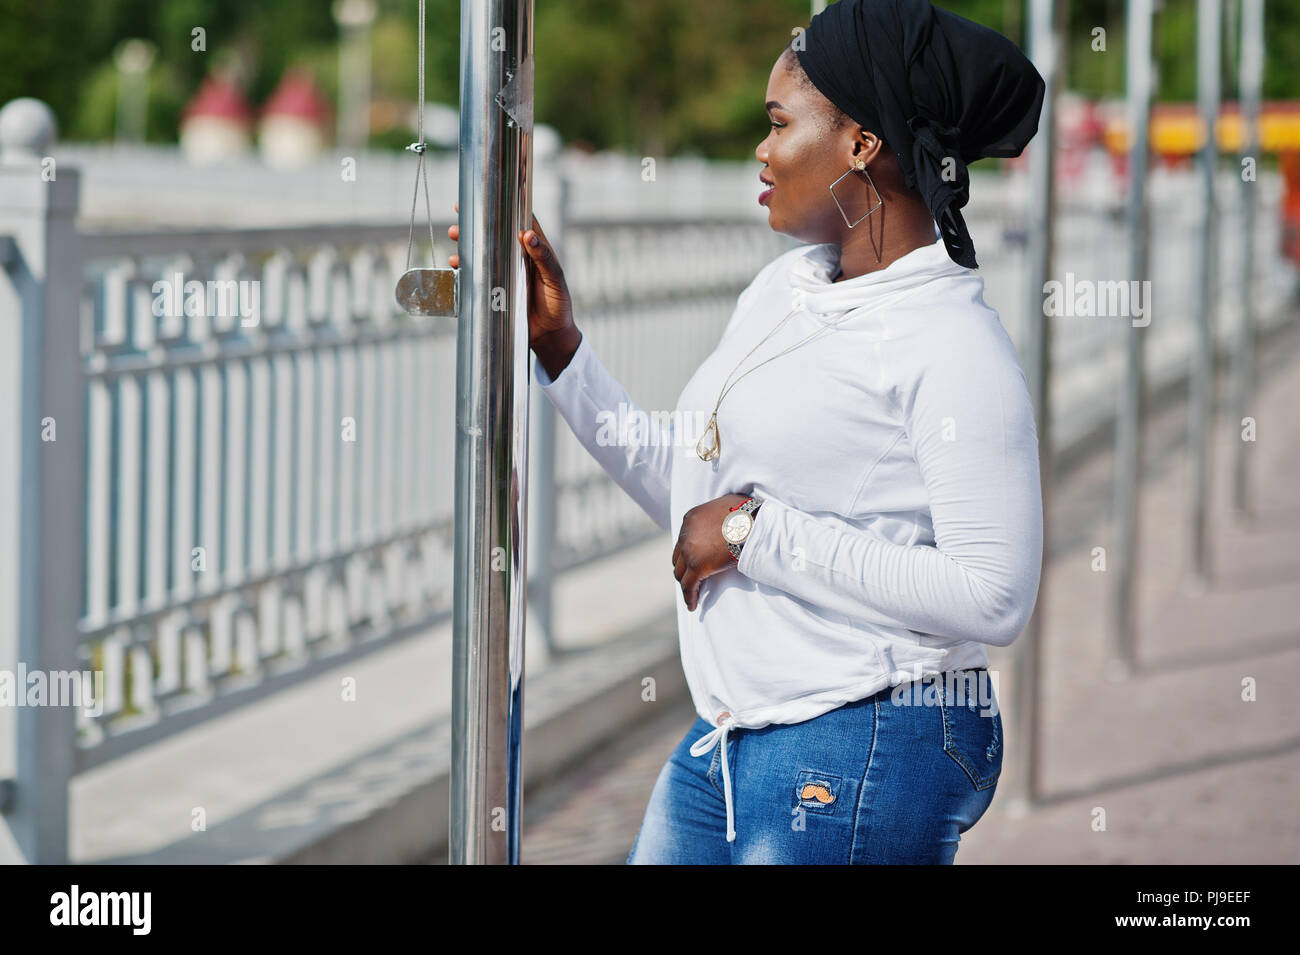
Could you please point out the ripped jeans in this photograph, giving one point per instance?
(894, 778)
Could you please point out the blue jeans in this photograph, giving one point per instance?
(889, 779)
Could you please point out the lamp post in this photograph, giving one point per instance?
(1046, 50)
(132, 59)
(354, 18)
(1201, 378)
(1122, 640)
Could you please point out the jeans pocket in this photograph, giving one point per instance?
(972, 733)
(816, 792)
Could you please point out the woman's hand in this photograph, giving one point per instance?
(701, 551)
(551, 331)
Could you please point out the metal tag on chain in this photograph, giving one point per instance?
(425, 291)
(429, 291)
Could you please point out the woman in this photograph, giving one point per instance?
(861, 516)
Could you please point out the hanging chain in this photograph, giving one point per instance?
(418, 147)
(733, 384)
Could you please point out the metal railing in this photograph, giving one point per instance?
(269, 495)
(265, 492)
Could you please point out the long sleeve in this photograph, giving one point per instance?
(634, 448)
(970, 422)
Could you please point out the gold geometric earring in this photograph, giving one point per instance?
(859, 165)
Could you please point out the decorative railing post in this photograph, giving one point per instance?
(42, 472)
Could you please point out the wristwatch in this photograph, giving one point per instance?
(737, 525)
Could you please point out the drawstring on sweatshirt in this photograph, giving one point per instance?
(703, 746)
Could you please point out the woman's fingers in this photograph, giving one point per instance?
(533, 240)
(691, 590)
(453, 233)
(542, 247)
(543, 256)
(690, 583)
(687, 576)
(547, 256)
(537, 227)
(540, 231)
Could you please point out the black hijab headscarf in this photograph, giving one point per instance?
(933, 85)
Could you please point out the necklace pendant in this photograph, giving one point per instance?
(714, 447)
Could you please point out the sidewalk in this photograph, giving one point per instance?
(1168, 766)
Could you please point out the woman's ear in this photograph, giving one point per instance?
(868, 146)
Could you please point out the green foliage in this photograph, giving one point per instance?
(96, 112)
(1282, 50)
(653, 77)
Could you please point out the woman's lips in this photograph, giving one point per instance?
(765, 195)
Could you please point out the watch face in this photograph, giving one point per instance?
(736, 527)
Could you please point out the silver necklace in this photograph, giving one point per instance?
(714, 450)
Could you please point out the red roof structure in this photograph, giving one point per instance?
(219, 98)
(298, 95)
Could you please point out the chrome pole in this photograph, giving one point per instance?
(492, 369)
(1201, 397)
(1250, 86)
(543, 496)
(1046, 24)
(1129, 415)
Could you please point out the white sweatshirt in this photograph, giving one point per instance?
(896, 458)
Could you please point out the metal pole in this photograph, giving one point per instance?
(1250, 85)
(492, 391)
(543, 495)
(1201, 397)
(1129, 416)
(1046, 23)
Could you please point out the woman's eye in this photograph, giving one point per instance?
(776, 125)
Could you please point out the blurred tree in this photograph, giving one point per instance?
(96, 112)
(654, 77)
(1282, 40)
(47, 51)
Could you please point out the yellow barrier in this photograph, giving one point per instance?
(1178, 131)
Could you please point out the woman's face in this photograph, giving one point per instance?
(804, 156)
